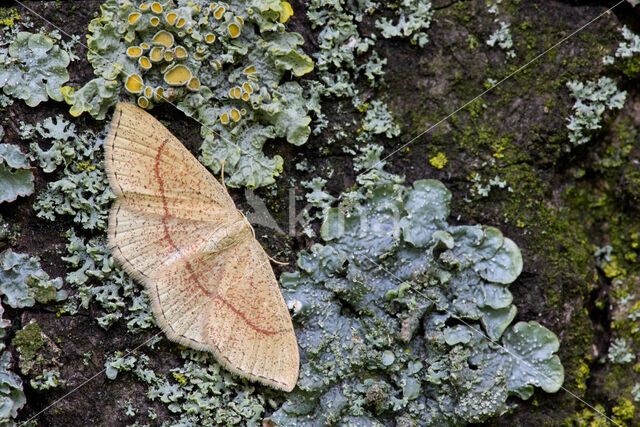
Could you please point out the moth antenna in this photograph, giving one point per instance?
(277, 262)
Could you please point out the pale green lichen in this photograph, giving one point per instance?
(412, 22)
(92, 271)
(502, 37)
(33, 68)
(82, 189)
(404, 318)
(16, 175)
(200, 392)
(12, 397)
(630, 46)
(378, 120)
(117, 362)
(222, 63)
(23, 282)
(619, 352)
(47, 380)
(593, 99)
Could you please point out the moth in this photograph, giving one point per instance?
(175, 228)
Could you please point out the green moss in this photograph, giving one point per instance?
(588, 418)
(28, 341)
(623, 412)
(8, 16)
(438, 161)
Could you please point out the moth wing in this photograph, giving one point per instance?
(145, 242)
(229, 303)
(249, 326)
(153, 172)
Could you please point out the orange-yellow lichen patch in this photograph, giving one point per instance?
(143, 102)
(156, 54)
(180, 52)
(171, 17)
(194, 84)
(163, 38)
(168, 55)
(219, 12)
(181, 23)
(148, 91)
(156, 7)
(235, 114)
(234, 30)
(134, 84)
(245, 96)
(247, 87)
(237, 92)
(154, 21)
(216, 64)
(250, 70)
(177, 76)
(144, 6)
(213, 6)
(133, 17)
(134, 52)
(243, 111)
(144, 46)
(224, 118)
(201, 49)
(158, 93)
(144, 62)
(210, 38)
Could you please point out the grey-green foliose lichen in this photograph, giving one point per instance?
(33, 68)
(401, 317)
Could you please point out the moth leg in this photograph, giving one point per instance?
(222, 177)
(276, 261)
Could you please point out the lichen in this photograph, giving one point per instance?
(221, 63)
(619, 352)
(502, 37)
(200, 392)
(403, 317)
(413, 21)
(92, 271)
(47, 380)
(378, 120)
(12, 397)
(33, 69)
(593, 98)
(82, 189)
(23, 282)
(16, 175)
